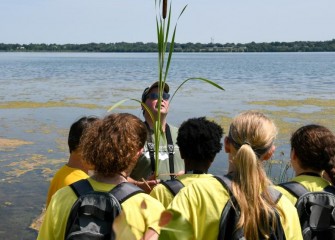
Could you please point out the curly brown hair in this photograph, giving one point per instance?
(111, 145)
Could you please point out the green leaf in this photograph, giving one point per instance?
(116, 105)
(168, 26)
(200, 79)
(175, 226)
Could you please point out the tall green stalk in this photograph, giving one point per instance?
(163, 21)
(163, 29)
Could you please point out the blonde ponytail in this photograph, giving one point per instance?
(252, 135)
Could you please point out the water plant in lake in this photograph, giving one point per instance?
(165, 46)
(163, 21)
(279, 170)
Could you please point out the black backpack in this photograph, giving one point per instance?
(230, 215)
(173, 186)
(93, 213)
(316, 210)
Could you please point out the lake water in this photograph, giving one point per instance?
(41, 94)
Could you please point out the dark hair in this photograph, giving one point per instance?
(76, 131)
(314, 145)
(111, 145)
(199, 140)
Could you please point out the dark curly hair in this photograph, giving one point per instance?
(199, 140)
(111, 144)
(314, 145)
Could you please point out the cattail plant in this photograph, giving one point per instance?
(173, 224)
(163, 21)
(164, 8)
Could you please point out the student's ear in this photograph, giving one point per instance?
(269, 153)
(227, 145)
(140, 152)
(293, 156)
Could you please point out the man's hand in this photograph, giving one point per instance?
(146, 185)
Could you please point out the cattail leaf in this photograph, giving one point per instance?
(199, 79)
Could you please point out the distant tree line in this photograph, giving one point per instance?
(299, 46)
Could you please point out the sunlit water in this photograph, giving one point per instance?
(105, 78)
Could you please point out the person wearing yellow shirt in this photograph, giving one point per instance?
(249, 143)
(312, 153)
(75, 169)
(111, 146)
(199, 141)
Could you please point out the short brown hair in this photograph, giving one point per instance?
(111, 144)
(314, 145)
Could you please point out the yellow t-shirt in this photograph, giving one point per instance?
(202, 202)
(64, 177)
(54, 224)
(311, 183)
(162, 194)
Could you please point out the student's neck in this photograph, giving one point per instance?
(75, 161)
(114, 179)
(191, 168)
(151, 124)
(306, 170)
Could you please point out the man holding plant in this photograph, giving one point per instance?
(170, 163)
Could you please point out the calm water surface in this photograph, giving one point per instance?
(69, 79)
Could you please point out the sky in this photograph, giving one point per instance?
(204, 21)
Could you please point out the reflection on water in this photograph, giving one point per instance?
(46, 93)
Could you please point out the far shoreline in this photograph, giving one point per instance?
(140, 47)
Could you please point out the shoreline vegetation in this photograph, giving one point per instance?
(297, 46)
(12, 143)
(287, 119)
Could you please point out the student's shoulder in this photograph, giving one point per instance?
(284, 201)
(187, 179)
(148, 200)
(311, 183)
(204, 186)
(158, 189)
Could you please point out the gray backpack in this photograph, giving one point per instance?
(92, 215)
(316, 211)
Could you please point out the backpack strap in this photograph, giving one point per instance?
(81, 187)
(330, 189)
(125, 190)
(121, 192)
(230, 213)
(173, 186)
(151, 148)
(274, 194)
(295, 188)
(170, 148)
